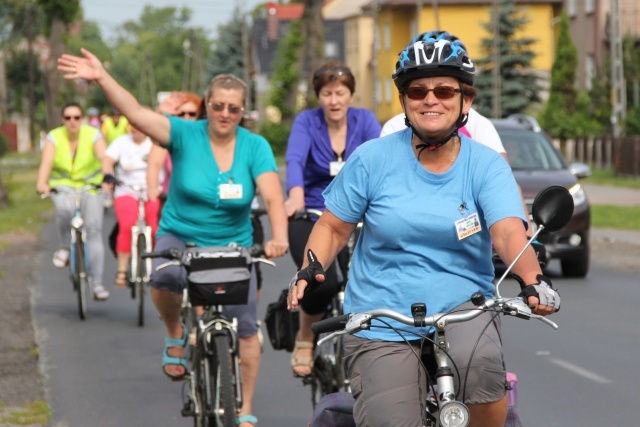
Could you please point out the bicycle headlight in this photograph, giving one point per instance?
(578, 194)
(77, 222)
(454, 414)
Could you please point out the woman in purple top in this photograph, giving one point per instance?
(321, 140)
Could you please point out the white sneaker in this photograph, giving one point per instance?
(61, 258)
(100, 293)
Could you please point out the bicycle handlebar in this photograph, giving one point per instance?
(256, 251)
(355, 322)
(71, 190)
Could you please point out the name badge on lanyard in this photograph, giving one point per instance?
(335, 167)
(230, 191)
(465, 227)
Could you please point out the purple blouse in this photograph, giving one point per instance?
(309, 150)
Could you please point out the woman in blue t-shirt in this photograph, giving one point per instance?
(217, 168)
(321, 140)
(431, 202)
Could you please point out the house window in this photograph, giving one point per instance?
(387, 37)
(377, 91)
(376, 39)
(331, 50)
(572, 8)
(413, 27)
(589, 6)
(387, 90)
(589, 71)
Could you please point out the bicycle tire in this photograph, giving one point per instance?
(81, 274)
(142, 248)
(222, 382)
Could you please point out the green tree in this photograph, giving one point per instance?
(599, 108)
(519, 85)
(58, 14)
(558, 116)
(228, 54)
(150, 55)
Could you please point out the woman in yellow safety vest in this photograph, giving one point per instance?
(114, 126)
(71, 157)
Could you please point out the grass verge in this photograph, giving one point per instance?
(621, 217)
(32, 414)
(26, 209)
(608, 177)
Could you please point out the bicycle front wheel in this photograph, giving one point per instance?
(222, 384)
(142, 273)
(80, 274)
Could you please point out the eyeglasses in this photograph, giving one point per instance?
(440, 92)
(338, 71)
(187, 113)
(232, 109)
(76, 118)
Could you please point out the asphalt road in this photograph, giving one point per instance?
(105, 371)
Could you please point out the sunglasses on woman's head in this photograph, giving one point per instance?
(440, 92)
(233, 109)
(187, 113)
(76, 118)
(339, 71)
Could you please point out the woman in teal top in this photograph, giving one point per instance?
(217, 167)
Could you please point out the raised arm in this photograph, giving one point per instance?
(90, 68)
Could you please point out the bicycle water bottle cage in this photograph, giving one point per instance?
(419, 312)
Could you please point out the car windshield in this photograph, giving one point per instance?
(529, 151)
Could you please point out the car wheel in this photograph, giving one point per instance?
(576, 267)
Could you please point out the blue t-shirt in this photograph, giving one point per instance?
(194, 211)
(408, 250)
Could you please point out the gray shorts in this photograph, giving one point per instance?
(174, 279)
(386, 376)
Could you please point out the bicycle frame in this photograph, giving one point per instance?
(140, 228)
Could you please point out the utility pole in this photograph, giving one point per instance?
(618, 92)
(495, 72)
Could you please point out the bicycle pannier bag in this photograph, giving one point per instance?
(282, 324)
(218, 275)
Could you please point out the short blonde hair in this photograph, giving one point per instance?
(229, 82)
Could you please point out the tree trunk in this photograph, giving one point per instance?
(313, 31)
(50, 72)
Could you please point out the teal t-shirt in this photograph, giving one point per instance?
(194, 211)
(409, 249)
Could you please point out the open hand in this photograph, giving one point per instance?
(88, 67)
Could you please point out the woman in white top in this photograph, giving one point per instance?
(127, 157)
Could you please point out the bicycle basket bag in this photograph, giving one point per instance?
(218, 275)
(282, 324)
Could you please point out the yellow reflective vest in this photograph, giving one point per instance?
(84, 168)
(111, 131)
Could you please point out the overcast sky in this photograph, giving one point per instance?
(207, 14)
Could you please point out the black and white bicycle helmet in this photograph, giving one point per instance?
(434, 53)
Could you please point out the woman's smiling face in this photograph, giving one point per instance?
(431, 116)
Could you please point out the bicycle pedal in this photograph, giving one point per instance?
(188, 409)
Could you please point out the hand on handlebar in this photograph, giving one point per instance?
(309, 278)
(275, 248)
(541, 296)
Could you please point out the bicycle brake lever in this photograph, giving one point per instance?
(264, 261)
(168, 264)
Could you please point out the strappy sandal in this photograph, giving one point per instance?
(251, 419)
(61, 258)
(121, 280)
(295, 361)
(170, 360)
